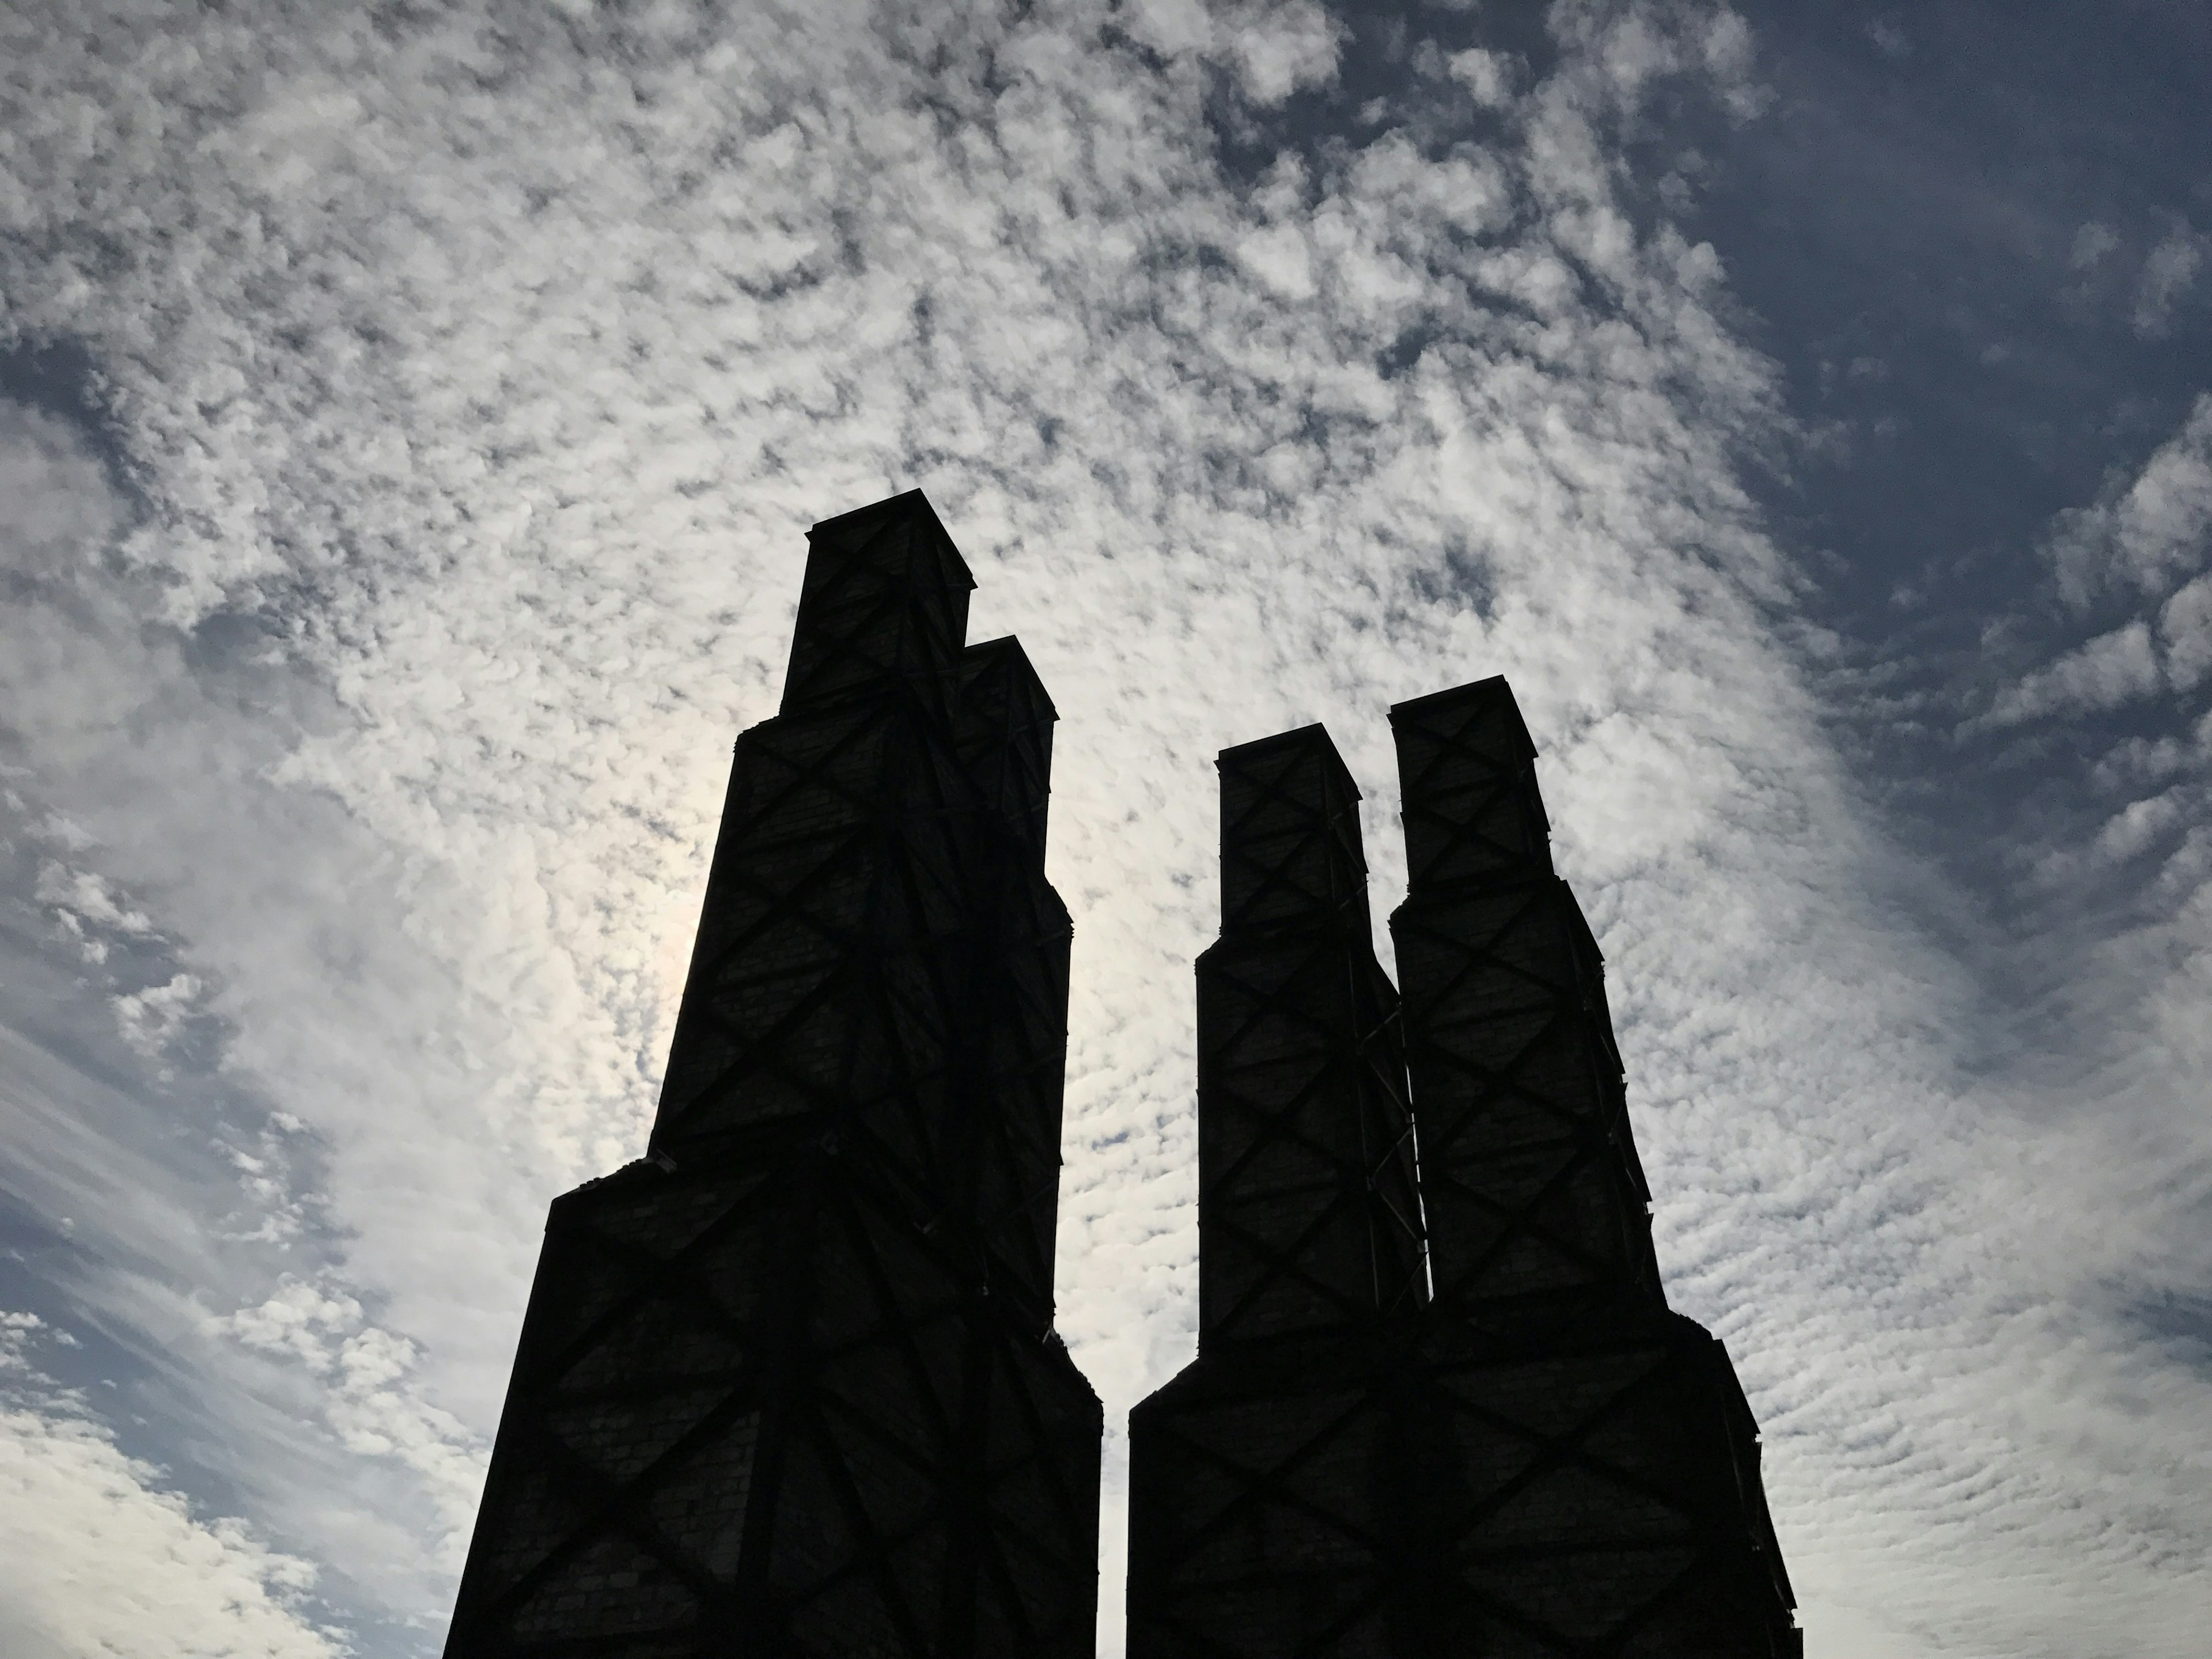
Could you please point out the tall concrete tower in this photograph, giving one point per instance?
(1260, 1518)
(1597, 1486)
(1535, 1457)
(788, 1387)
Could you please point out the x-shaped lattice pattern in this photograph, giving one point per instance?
(884, 603)
(761, 1407)
(1511, 1501)
(1307, 1194)
(799, 1397)
(1600, 1504)
(1541, 1462)
(880, 950)
(1531, 1183)
(1529, 1173)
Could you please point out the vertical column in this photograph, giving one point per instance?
(1535, 1198)
(1267, 1480)
(1308, 1217)
(787, 1386)
(1595, 1486)
(834, 943)
(1012, 1155)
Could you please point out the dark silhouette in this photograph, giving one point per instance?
(1519, 1451)
(788, 1387)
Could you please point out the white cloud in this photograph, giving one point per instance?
(83, 895)
(1273, 47)
(482, 388)
(151, 1018)
(2111, 670)
(2185, 626)
(2146, 530)
(98, 1557)
(1281, 46)
(1277, 256)
(2136, 542)
(2169, 272)
(1489, 75)
(367, 1400)
(2091, 244)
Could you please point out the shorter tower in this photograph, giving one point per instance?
(1537, 1458)
(1598, 1487)
(787, 1387)
(1260, 1477)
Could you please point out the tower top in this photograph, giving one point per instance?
(1290, 835)
(884, 603)
(1473, 811)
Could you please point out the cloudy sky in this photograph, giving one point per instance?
(410, 415)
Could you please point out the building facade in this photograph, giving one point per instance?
(1517, 1450)
(789, 1386)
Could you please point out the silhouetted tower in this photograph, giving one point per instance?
(787, 1387)
(1540, 1460)
(1603, 1493)
(1255, 1525)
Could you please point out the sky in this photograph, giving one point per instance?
(409, 419)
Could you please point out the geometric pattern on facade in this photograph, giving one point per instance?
(1305, 1156)
(1255, 1525)
(1533, 1190)
(789, 1386)
(1595, 1489)
(1540, 1460)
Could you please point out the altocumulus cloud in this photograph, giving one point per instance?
(135, 1562)
(465, 379)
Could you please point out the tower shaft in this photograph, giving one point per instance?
(1536, 1200)
(1261, 1478)
(1538, 1460)
(1599, 1489)
(788, 1387)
